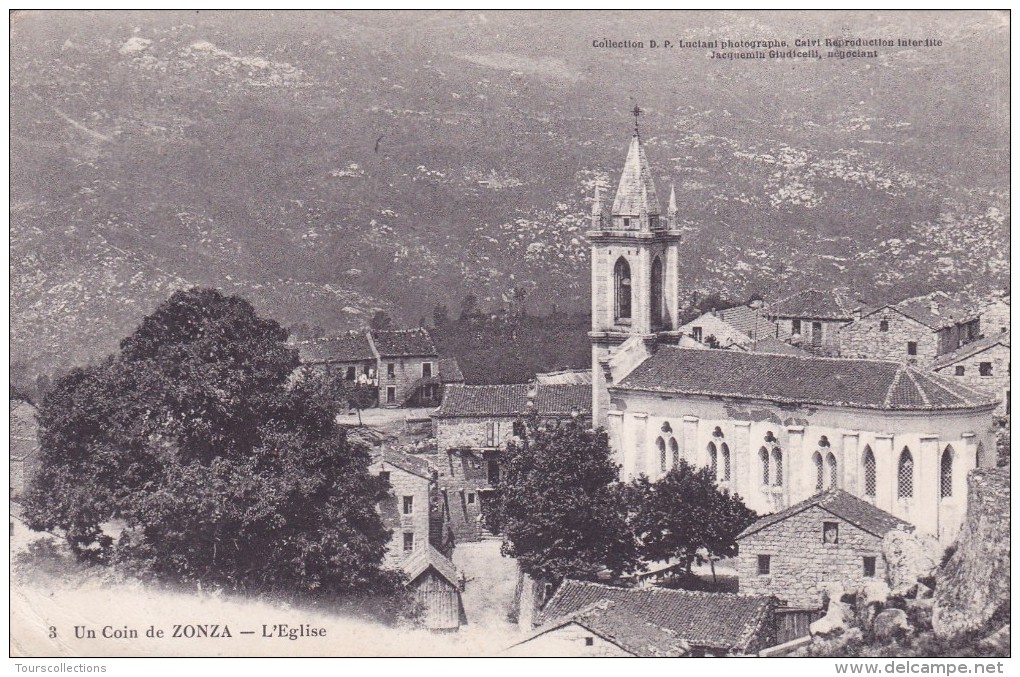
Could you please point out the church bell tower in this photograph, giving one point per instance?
(635, 269)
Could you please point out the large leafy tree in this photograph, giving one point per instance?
(222, 468)
(683, 512)
(561, 507)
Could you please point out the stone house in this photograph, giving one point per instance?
(995, 314)
(740, 326)
(402, 367)
(983, 364)
(778, 429)
(916, 330)
(472, 427)
(605, 620)
(24, 452)
(812, 319)
(408, 512)
(832, 537)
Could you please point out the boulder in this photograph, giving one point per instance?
(889, 623)
(909, 556)
(919, 611)
(974, 583)
(875, 592)
(835, 617)
(997, 642)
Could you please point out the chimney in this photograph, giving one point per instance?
(934, 307)
(858, 312)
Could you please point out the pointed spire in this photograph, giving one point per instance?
(637, 190)
(599, 216)
(596, 206)
(672, 210)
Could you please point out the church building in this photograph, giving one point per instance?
(776, 429)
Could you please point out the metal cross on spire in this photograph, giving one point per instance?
(637, 111)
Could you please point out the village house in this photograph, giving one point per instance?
(24, 452)
(583, 619)
(473, 426)
(812, 319)
(776, 429)
(982, 365)
(408, 512)
(740, 326)
(994, 314)
(401, 367)
(832, 537)
(436, 585)
(916, 330)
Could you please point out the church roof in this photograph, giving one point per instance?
(637, 190)
(858, 512)
(869, 384)
(717, 620)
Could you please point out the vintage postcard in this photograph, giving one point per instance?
(496, 333)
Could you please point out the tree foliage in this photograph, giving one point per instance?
(221, 469)
(683, 512)
(561, 507)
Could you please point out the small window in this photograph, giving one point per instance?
(696, 334)
(869, 567)
(911, 347)
(883, 325)
(626, 222)
(960, 371)
(490, 434)
(985, 368)
(391, 394)
(471, 499)
(518, 429)
(796, 326)
(408, 542)
(385, 475)
(391, 369)
(830, 532)
(352, 373)
(426, 370)
(764, 565)
(589, 641)
(408, 505)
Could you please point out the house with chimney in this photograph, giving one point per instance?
(401, 367)
(915, 331)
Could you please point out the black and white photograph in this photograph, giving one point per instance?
(502, 334)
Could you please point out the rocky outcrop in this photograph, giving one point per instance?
(909, 556)
(974, 583)
(890, 623)
(835, 617)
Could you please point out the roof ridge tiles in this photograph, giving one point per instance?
(917, 384)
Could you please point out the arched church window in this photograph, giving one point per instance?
(656, 292)
(661, 445)
(819, 473)
(833, 474)
(905, 475)
(946, 473)
(725, 461)
(675, 448)
(777, 463)
(621, 274)
(870, 474)
(713, 460)
(763, 457)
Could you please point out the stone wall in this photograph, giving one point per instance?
(975, 581)
(453, 433)
(801, 563)
(864, 338)
(406, 371)
(391, 509)
(995, 317)
(462, 483)
(829, 336)
(997, 384)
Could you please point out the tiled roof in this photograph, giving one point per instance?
(512, 400)
(637, 189)
(814, 304)
(867, 384)
(937, 310)
(747, 320)
(24, 432)
(716, 620)
(449, 370)
(621, 627)
(860, 513)
(350, 347)
(564, 376)
(562, 399)
(404, 343)
(421, 559)
(412, 464)
(774, 346)
(971, 349)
